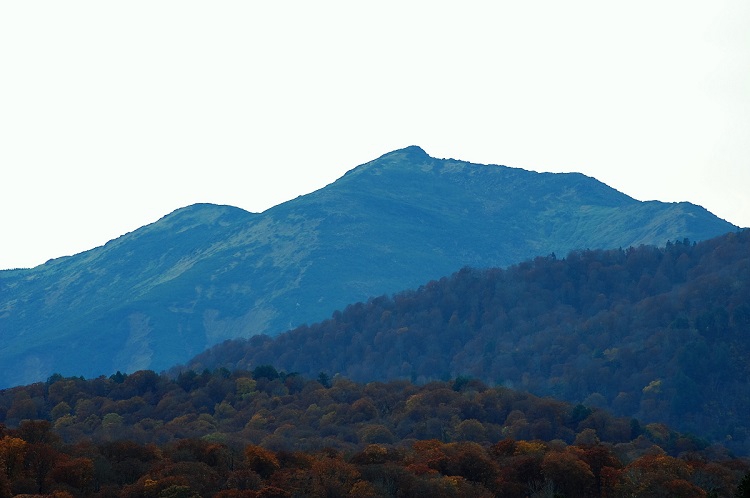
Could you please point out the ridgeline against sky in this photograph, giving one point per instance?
(165, 292)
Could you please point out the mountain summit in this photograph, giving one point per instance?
(205, 273)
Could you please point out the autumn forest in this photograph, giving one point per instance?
(272, 434)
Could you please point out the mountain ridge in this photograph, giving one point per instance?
(205, 273)
(658, 334)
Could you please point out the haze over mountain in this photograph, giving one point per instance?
(205, 273)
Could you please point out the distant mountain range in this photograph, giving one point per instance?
(205, 273)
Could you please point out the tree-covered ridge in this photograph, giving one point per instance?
(267, 433)
(654, 333)
(205, 273)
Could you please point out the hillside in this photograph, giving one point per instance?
(657, 334)
(205, 273)
(263, 433)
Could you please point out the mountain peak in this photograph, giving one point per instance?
(413, 149)
(411, 153)
(398, 159)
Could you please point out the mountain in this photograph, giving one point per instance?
(205, 273)
(659, 334)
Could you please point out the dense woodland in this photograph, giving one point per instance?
(265, 433)
(659, 334)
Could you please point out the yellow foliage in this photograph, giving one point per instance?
(453, 481)
(658, 432)
(413, 401)
(258, 421)
(64, 421)
(529, 447)
(245, 387)
(654, 387)
(12, 453)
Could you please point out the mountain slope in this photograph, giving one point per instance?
(656, 334)
(205, 273)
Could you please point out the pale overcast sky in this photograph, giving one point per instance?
(113, 114)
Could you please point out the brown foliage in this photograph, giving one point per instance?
(261, 460)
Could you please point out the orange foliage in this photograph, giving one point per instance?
(260, 460)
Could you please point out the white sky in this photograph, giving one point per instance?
(113, 114)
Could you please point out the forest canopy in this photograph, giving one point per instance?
(659, 334)
(268, 433)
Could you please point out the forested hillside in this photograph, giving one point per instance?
(660, 334)
(265, 433)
